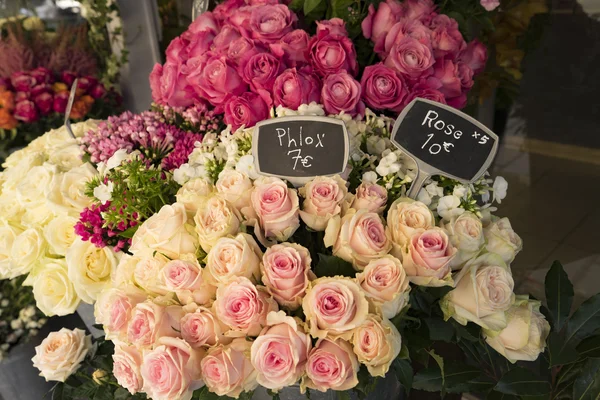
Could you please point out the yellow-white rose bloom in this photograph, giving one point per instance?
(466, 234)
(8, 234)
(377, 343)
(503, 240)
(53, 290)
(26, 249)
(60, 234)
(61, 354)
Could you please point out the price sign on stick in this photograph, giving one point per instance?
(300, 148)
(443, 141)
(69, 107)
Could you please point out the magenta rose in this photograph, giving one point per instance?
(26, 111)
(458, 101)
(422, 10)
(216, 80)
(86, 82)
(465, 74)
(60, 102)
(445, 78)
(341, 92)
(378, 23)
(260, 72)
(405, 28)
(198, 44)
(223, 40)
(293, 88)
(292, 48)
(205, 22)
(68, 77)
(42, 75)
(242, 49)
(411, 58)
(174, 87)
(383, 88)
(424, 91)
(446, 38)
(269, 23)
(329, 54)
(20, 96)
(474, 55)
(39, 89)
(44, 102)
(22, 81)
(225, 9)
(247, 110)
(97, 91)
(333, 26)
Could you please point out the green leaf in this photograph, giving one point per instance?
(310, 5)
(585, 321)
(589, 347)
(343, 395)
(493, 395)
(404, 352)
(458, 376)
(404, 373)
(129, 232)
(428, 379)
(559, 295)
(296, 5)
(560, 352)
(121, 394)
(470, 332)
(333, 266)
(339, 8)
(522, 382)
(439, 329)
(587, 384)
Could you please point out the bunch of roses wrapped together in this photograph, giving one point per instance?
(245, 58)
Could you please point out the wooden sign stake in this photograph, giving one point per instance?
(69, 107)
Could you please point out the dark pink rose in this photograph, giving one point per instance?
(68, 78)
(411, 58)
(177, 50)
(446, 38)
(270, 22)
(247, 110)
(445, 78)
(198, 44)
(5, 84)
(25, 111)
(292, 48)
(155, 76)
(474, 55)
(458, 102)
(422, 10)
(293, 88)
(329, 54)
(383, 88)
(341, 92)
(262, 2)
(216, 79)
(39, 89)
(261, 70)
(204, 22)
(423, 91)
(174, 87)
(86, 82)
(60, 102)
(44, 102)
(241, 19)
(42, 75)
(378, 23)
(405, 28)
(223, 40)
(242, 49)
(22, 81)
(225, 9)
(333, 26)
(465, 74)
(20, 96)
(97, 91)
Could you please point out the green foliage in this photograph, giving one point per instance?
(559, 295)
(333, 266)
(522, 382)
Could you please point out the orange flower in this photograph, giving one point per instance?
(59, 87)
(7, 100)
(7, 121)
(81, 107)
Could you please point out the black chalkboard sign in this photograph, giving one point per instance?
(444, 141)
(300, 148)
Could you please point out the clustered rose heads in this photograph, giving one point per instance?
(244, 58)
(30, 95)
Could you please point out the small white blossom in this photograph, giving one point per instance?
(103, 192)
(424, 197)
(448, 207)
(434, 190)
(388, 164)
(246, 166)
(460, 191)
(500, 189)
(116, 159)
(16, 324)
(376, 145)
(186, 173)
(4, 303)
(369, 176)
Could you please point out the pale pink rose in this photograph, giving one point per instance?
(246, 110)
(241, 50)
(276, 207)
(286, 273)
(411, 58)
(490, 5)
(342, 93)
(377, 343)
(171, 370)
(127, 362)
(361, 237)
(383, 88)
(293, 88)
(215, 219)
(280, 352)
(322, 200)
(445, 78)
(224, 38)
(474, 55)
(149, 322)
(427, 258)
(243, 307)
(231, 257)
(407, 217)
(334, 306)
(227, 370)
(384, 281)
(446, 39)
(269, 23)
(332, 365)
(216, 80)
(371, 197)
(202, 328)
(292, 48)
(235, 187)
(405, 27)
(184, 277)
(113, 310)
(330, 54)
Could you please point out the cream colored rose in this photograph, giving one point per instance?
(483, 293)
(61, 354)
(184, 278)
(67, 192)
(466, 234)
(215, 219)
(123, 275)
(8, 234)
(370, 196)
(90, 268)
(358, 238)
(376, 344)
(66, 157)
(322, 200)
(332, 365)
(11, 210)
(233, 257)
(147, 273)
(35, 185)
(334, 306)
(113, 310)
(53, 291)
(524, 337)
(235, 187)
(427, 257)
(200, 327)
(60, 234)
(166, 232)
(503, 240)
(192, 192)
(386, 284)
(406, 217)
(276, 207)
(37, 215)
(27, 249)
(17, 164)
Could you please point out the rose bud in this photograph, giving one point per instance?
(22, 81)
(25, 111)
(60, 102)
(44, 102)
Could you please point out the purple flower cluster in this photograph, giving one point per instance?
(147, 132)
(91, 227)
